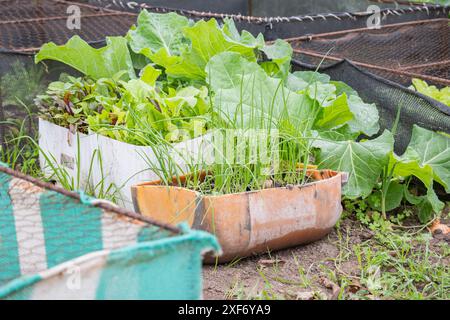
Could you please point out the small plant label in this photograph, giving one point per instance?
(67, 161)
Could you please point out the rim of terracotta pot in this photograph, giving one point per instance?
(331, 174)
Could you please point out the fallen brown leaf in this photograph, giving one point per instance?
(438, 228)
(335, 289)
(270, 262)
(308, 295)
(355, 286)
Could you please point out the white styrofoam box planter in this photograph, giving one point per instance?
(61, 147)
(122, 165)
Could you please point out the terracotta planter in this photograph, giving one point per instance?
(250, 222)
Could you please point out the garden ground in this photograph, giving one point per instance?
(374, 260)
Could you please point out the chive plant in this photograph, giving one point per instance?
(237, 164)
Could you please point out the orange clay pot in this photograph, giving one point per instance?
(250, 222)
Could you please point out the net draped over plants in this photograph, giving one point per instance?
(381, 63)
(392, 100)
(57, 244)
(397, 52)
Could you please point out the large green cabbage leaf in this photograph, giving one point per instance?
(158, 31)
(184, 50)
(100, 63)
(429, 149)
(363, 161)
(248, 97)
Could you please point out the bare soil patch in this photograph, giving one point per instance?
(324, 269)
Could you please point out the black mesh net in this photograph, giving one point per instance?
(399, 52)
(288, 18)
(257, 8)
(389, 97)
(26, 25)
(381, 63)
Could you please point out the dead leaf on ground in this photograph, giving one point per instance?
(335, 289)
(354, 287)
(438, 228)
(271, 262)
(367, 235)
(308, 295)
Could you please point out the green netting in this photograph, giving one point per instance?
(56, 245)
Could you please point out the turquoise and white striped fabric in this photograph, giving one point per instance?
(55, 247)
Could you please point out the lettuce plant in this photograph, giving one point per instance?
(441, 95)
